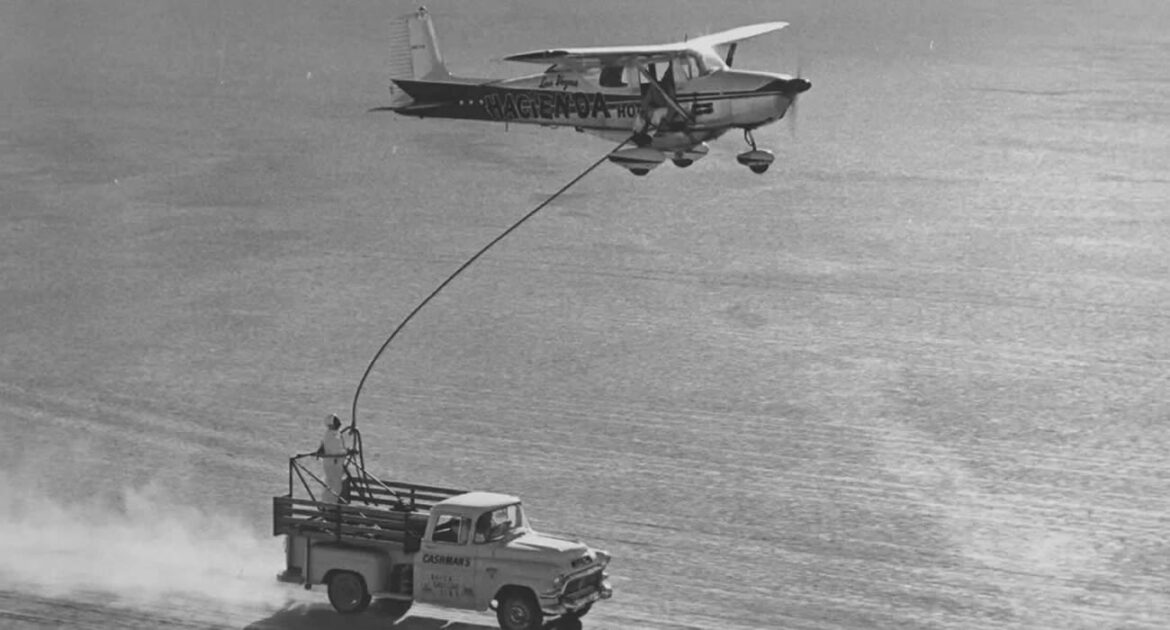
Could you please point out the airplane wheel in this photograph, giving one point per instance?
(640, 171)
(759, 168)
(347, 592)
(682, 162)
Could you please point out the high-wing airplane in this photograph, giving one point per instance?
(670, 98)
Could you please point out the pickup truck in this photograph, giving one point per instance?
(402, 543)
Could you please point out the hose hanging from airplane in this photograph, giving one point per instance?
(465, 265)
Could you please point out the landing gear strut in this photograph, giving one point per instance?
(757, 159)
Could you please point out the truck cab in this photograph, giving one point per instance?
(480, 545)
(404, 542)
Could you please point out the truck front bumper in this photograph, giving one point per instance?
(572, 603)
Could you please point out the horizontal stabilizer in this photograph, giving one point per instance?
(413, 108)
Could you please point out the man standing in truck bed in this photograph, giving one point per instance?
(332, 453)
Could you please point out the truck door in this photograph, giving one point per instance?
(491, 528)
(446, 566)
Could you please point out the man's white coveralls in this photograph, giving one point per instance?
(332, 453)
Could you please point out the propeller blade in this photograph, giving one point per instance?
(800, 85)
(792, 110)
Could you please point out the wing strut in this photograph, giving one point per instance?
(667, 95)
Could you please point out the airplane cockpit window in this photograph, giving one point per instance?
(611, 76)
(695, 64)
(709, 61)
(656, 70)
(685, 68)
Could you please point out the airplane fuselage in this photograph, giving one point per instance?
(661, 101)
(716, 102)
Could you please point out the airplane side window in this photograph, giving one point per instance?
(653, 70)
(633, 76)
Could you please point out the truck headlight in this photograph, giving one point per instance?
(558, 581)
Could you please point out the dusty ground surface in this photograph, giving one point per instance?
(913, 377)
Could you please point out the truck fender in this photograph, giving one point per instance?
(374, 567)
(517, 608)
(509, 589)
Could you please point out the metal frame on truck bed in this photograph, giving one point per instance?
(384, 517)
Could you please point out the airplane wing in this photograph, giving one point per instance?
(601, 55)
(616, 55)
(734, 35)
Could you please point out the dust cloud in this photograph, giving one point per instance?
(140, 546)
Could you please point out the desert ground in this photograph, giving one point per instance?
(915, 376)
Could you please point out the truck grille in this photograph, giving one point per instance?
(585, 582)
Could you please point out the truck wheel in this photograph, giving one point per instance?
(518, 610)
(347, 592)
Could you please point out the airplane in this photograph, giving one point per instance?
(669, 100)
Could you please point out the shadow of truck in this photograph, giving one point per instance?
(323, 617)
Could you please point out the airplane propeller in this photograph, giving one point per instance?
(797, 85)
(800, 85)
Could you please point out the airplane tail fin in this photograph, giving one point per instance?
(414, 51)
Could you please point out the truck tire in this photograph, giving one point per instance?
(518, 610)
(347, 592)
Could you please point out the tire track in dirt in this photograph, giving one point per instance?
(93, 610)
(119, 419)
(874, 279)
(809, 487)
(1047, 527)
(713, 451)
(1026, 554)
(698, 423)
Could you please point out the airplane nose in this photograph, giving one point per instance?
(797, 86)
(788, 87)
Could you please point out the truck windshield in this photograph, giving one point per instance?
(500, 523)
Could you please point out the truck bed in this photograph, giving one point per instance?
(381, 514)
